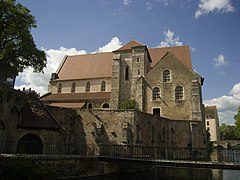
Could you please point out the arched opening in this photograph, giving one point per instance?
(30, 144)
(105, 105)
(90, 106)
(59, 88)
(103, 86)
(126, 73)
(73, 89)
(166, 76)
(88, 86)
(179, 93)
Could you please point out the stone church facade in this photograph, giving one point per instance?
(160, 80)
(82, 108)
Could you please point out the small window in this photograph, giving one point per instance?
(59, 88)
(207, 123)
(139, 72)
(126, 73)
(179, 93)
(88, 86)
(103, 86)
(138, 59)
(105, 105)
(166, 76)
(156, 111)
(208, 129)
(156, 94)
(73, 89)
(90, 106)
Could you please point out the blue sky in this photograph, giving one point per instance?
(210, 27)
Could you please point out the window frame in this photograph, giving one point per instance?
(73, 88)
(103, 86)
(179, 93)
(59, 89)
(156, 94)
(166, 76)
(88, 87)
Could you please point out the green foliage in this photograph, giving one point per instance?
(17, 47)
(228, 132)
(237, 123)
(129, 104)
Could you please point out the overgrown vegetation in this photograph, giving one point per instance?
(129, 104)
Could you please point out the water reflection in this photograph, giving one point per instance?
(167, 173)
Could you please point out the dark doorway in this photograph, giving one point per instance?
(156, 111)
(30, 144)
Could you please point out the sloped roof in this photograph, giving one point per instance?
(85, 66)
(181, 52)
(129, 45)
(77, 96)
(36, 116)
(99, 65)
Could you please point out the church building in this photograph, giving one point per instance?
(160, 80)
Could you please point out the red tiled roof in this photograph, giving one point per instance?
(181, 52)
(77, 97)
(86, 66)
(129, 45)
(99, 65)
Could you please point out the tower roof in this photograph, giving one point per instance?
(129, 45)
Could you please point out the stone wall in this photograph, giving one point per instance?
(180, 76)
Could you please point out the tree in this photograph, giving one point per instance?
(237, 123)
(17, 47)
(228, 132)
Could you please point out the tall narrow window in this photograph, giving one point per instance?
(73, 89)
(88, 86)
(166, 76)
(179, 93)
(156, 94)
(103, 86)
(126, 73)
(59, 88)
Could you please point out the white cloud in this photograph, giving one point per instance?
(39, 82)
(170, 40)
(220, 61)
(126, 2)
(113, 45)
(148, 6)
(207, 6)
(165, 2)
(227, 104)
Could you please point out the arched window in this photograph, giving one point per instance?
(166, 76)
(105, 105)
(90, 106)
(126, 73)
(88, 86)
(73, 89)
(103, 86)
(156, 94)
(179, 93)
(59, 88)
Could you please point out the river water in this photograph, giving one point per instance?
(169, 173)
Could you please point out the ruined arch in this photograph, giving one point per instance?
(30, 144)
